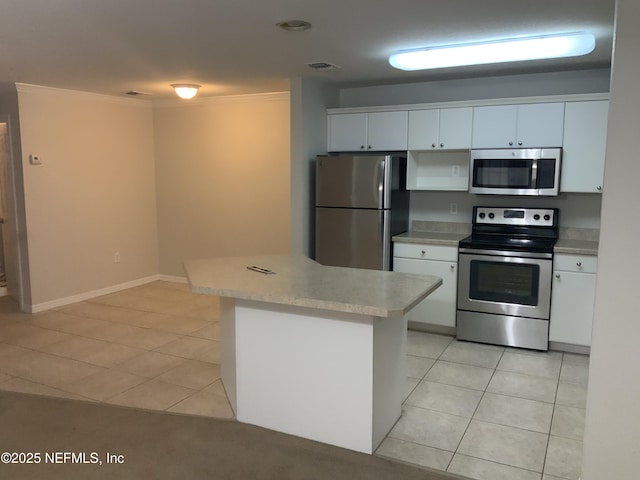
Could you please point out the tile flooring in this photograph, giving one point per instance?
(490, 413)
(476, 410)
(154, 347)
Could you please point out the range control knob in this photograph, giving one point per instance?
(481, 215)
(536, 217)
(547, 217)
(492, 215)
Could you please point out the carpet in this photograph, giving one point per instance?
(69, 439)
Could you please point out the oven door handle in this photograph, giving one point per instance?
(506, 253)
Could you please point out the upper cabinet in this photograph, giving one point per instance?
(585, 141)
(378, 131)
(518, 126)
(440, 129)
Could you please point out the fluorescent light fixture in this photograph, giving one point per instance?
(508, 50)
(186, 90)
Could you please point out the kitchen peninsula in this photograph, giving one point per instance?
(312, 350)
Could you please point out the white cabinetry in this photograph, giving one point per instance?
(439, 308)
(585, 141)
(572, 297)
(518, 126)
(378, 131)
(438, 129)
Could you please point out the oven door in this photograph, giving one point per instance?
(499, 283)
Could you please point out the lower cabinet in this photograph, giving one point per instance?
(572, 297)
(439, 308)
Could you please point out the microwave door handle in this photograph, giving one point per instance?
(534, 173)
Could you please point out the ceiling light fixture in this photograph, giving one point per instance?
(294, 25)
(508, 50)
(185, 90)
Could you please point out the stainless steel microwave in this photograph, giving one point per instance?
(521, 171)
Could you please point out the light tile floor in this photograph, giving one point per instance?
(490, 413)
(154, 347)
(477, 410)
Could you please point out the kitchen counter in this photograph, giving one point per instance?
(431, 238)
(576, 247)
(302, 282)
(313, 351)
(435, 233)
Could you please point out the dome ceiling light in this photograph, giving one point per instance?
(294, 25)
(186, 90)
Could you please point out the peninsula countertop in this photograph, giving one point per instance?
(300, 281)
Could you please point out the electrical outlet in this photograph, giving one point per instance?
(116, 257)
(453, 208)
(455, 170)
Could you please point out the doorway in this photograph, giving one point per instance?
(10, 273)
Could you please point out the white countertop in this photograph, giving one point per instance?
(302, 282)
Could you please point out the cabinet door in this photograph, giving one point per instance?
(494, 126)
(572, 307)
(439, 308)
(540, 125)
(423, 129)
(347, 132)
(387, 131)
(584, 146)
(455, 128)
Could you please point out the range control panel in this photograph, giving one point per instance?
(543, 217)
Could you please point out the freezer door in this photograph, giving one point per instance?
(353, 238)
(358, 181)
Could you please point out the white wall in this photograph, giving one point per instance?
(612, 430)
(531, 85)
(223, 183)
(309, 102)
(93, 195)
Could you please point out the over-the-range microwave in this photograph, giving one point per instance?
(521, 171)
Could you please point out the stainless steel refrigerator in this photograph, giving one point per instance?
(361, 202)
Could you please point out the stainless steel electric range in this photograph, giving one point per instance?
(504, 277)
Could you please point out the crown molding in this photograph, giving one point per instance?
(251, 97)
(28, 88)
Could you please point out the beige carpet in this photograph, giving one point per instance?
(168, 446)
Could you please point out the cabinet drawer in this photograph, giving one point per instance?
(424, 251)
(575, 263)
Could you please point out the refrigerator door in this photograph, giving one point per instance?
(353, 181)
(355, 238)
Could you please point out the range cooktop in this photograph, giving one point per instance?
(513, 229)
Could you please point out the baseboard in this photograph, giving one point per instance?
(173, 278)
(431, 328)
(570, 348)
(61, 302)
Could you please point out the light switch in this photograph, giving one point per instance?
(35, 160)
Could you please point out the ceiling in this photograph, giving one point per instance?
(234, 47)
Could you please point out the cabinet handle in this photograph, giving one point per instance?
(579, 264)
(557, 275)
(520, 143)
(423, 253)
(433, 145)
(369, 147)
(361, 147)
(599, 188)
(510, 144)
(442, 145)
(452, 267)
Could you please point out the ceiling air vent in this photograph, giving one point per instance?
(136, 93)
(322, 66)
